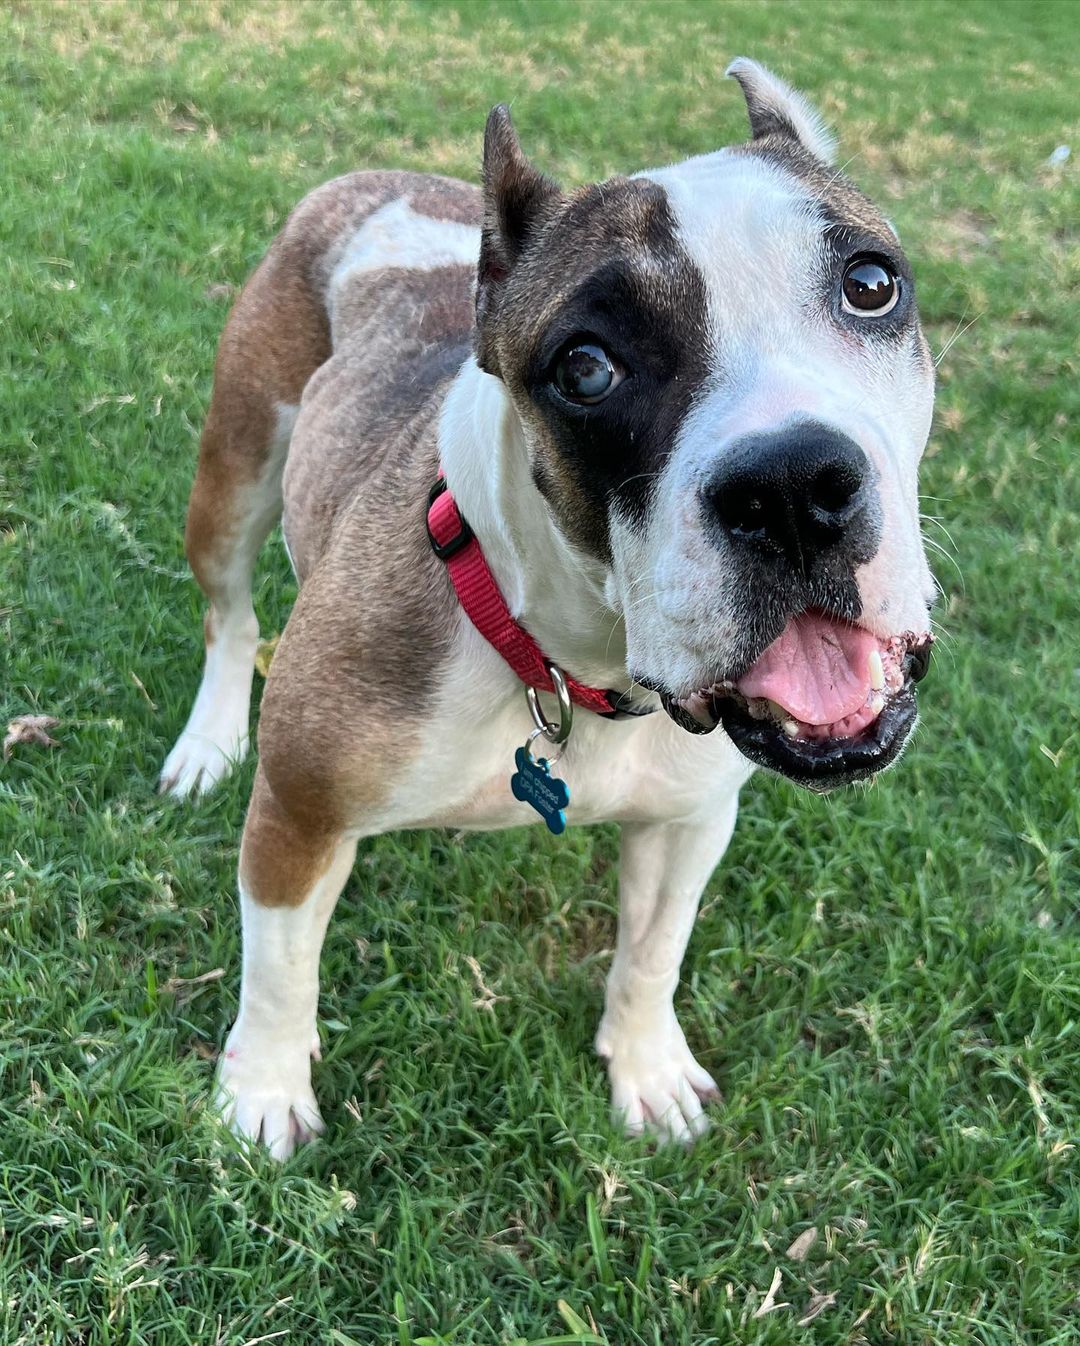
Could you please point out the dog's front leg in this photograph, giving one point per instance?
(290, 881)
(656, 1083)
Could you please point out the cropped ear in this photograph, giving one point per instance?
(778, 110)
(517, 199)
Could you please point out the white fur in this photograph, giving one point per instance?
(655, 1079)
(215, 737)
(565, 597)
(395, 235)
(756, 237)
(264, 1078)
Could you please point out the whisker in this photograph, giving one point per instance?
(944, 640)
(611, 634)
(640, 476)
(943, 551)
(929, 518)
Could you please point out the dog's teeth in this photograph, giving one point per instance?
(877, 702)
(758, 708)
(790, 728)
(877, 671)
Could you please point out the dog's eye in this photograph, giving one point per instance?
(869, 288)
(586, 373)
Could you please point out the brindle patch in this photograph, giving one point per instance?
(375, 616)
(609, 266)
(344, 705)
(344, 696)
(406, 333)
(277, 336)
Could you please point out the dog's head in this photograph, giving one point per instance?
(725, 393)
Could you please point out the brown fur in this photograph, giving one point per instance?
(370, 406)
(279, 318)
(343, 697)
(359, 659)
(277, 335)
(282, 854)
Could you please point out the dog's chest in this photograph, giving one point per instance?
(627, 771)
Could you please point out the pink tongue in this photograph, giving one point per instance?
(817, 669)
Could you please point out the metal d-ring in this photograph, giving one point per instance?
(556, 733)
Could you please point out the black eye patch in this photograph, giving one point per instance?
(615, 374)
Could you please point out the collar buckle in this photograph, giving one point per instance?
(445, 550)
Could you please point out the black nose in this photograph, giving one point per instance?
(796, 491)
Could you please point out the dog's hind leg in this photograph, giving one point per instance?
(291, 875)
(276, 337)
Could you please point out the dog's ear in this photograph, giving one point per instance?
(778, 110)
(517, 199)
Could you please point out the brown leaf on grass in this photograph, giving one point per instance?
(802, 1245)
(264, 654)
(30, 729)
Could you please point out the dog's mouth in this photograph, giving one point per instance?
(826, 704)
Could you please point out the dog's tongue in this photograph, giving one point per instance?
(817, 669)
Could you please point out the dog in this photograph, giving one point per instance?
(630, 470)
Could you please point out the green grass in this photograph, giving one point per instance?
(886, 984)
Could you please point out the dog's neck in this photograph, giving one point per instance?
(557, 593)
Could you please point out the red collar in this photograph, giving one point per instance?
(455, 543)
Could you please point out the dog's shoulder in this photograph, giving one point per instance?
(360, 662)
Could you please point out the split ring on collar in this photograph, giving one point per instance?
(556, 732)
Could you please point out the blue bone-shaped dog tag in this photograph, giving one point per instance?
(534, 785)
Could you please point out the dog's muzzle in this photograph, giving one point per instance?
(817, 666)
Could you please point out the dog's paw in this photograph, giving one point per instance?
(200, 759)
(267, 1098)
(657, 1087)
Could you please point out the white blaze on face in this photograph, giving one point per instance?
(757, 235)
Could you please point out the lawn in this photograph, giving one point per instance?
(886, 983)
